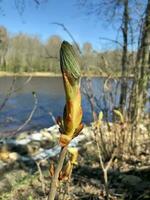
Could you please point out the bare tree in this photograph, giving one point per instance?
(125, 23)
(142, 68)
(124, 14)
(3, 46)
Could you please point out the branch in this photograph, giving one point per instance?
(41, 177)
(54, 182)
(53, 118)
(30, 116)
(68, 32)
(25, 83)
(111, 40)
(10, 91)
(48, 55)
(37, 2)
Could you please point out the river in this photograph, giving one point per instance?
(51, 99)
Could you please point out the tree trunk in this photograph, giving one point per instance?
(142, 67)
(124, 57)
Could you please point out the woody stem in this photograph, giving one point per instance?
(54, 181)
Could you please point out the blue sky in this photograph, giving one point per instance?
(37, 20)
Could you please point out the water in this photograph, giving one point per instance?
(50, 95)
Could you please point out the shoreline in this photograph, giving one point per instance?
(52, 74)
(34, 74)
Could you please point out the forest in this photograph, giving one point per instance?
(26, 53)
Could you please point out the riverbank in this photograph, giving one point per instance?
(25, 161)
(42, 74)
(52, 74)
(34, 74)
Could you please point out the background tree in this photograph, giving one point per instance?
(52, 51)
(142, 68)
(126, 17)
(3, 46)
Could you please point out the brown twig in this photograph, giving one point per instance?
(30, 116)
(54, 181)
(49, 56)
(103, 167)
(111, 40)
(10, 91)
(41, 177)
(69, 33)
(25, 83)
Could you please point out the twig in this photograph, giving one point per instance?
(10, 91)
(111, 40)
(37, 2)
(70, 35)
(41, 177)
(54, 182)
(30, 116)
(103, 167)
(25, 83)
(49, 56)
(88, 92)
(53, 117)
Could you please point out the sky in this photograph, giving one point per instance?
(37, 20)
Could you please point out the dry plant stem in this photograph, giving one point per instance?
(9, 93)
(69, 33)
(68, 184)
(104, 171)
(54, 182)
(12, 91)
(41, 178)
(30, 116)
(103, 167)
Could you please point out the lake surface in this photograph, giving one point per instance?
(50, 95)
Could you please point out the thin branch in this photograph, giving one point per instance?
(68, 32)
(53, 117)
(25, 83)
(111, 40)
(48, 55)
(111, 159)
(103, 167)
(41, 178)
(37, 2)
(30, 116)
(54, 182)
(10, 91)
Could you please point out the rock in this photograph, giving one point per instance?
(14, 156)
(4, 156)
(46, 135)
(53, 129)
(33, 147)
(23, 135)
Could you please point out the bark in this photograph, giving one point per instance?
(124, 56)
(142, 68)
(54, 181)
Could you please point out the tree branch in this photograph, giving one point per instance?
(70, 35)
(30, 116)
(111, 40)
(54, 182)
